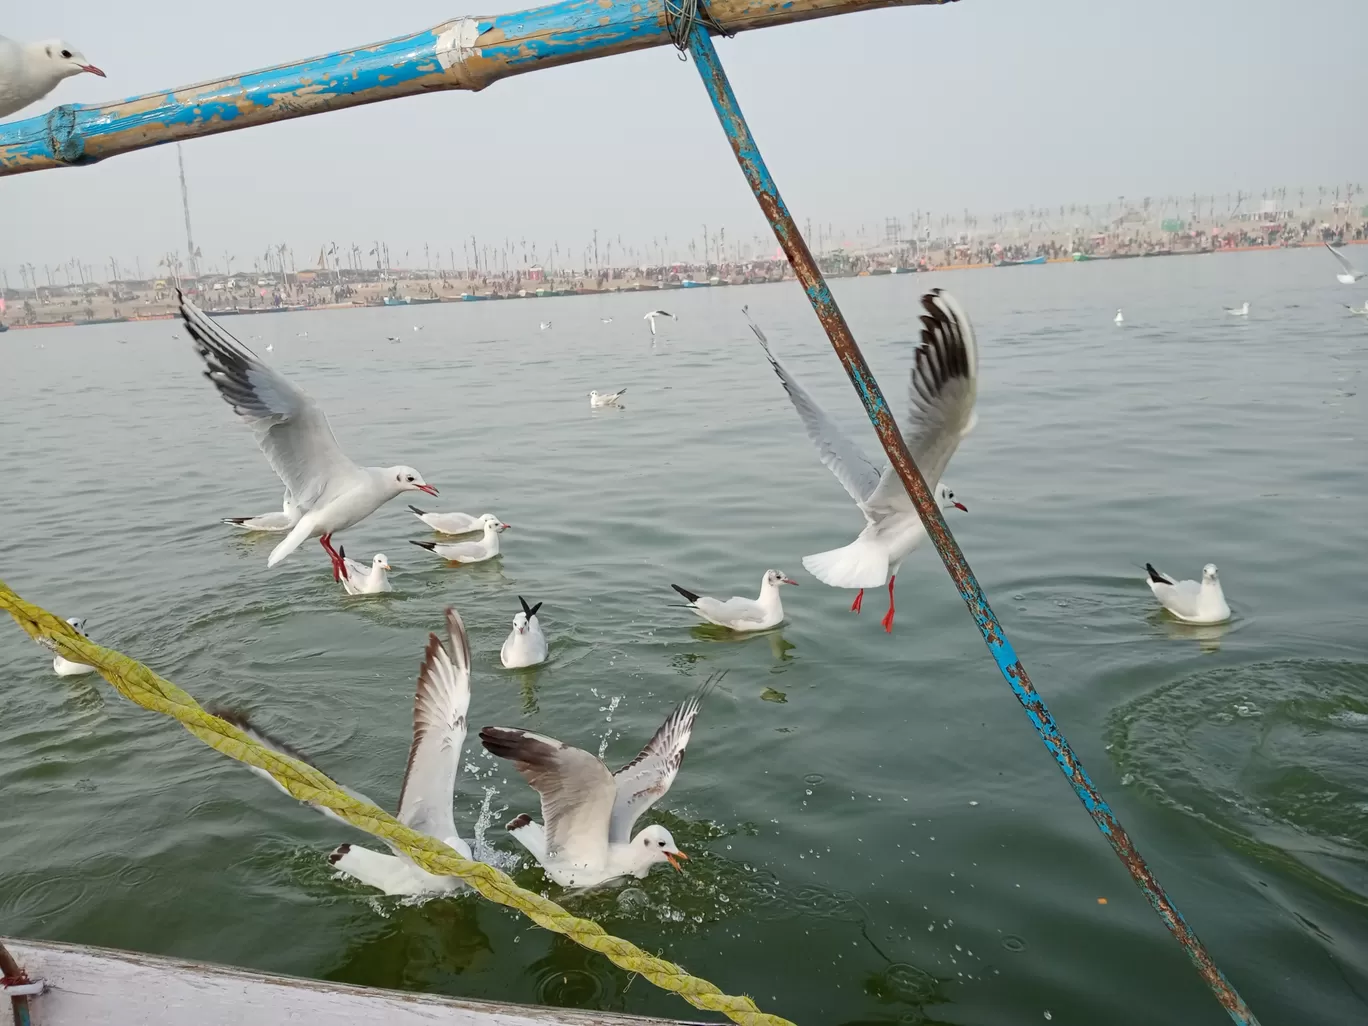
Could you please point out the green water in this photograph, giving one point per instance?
(877, 834)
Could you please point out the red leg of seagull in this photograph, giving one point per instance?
(888, 617)
(339, 567)
(859, 600)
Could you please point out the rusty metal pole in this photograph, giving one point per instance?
(791, 239)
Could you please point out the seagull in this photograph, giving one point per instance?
(545, 325)
(1118, 320)
(65, 667)
(1238, 311)
(611, 399)
(1361, 311)
(270, 347)
(453, 523)
(742, 614)
(589, 813)
(417, 327)
(1190, 601)
(29, 71)
(606, 320)
(391, 338)
(486, 547)
(269, 522)
(525, 644)
(658, 313)
(366, 578)
(302, 334)
(942, 390)
(1351, 273)
(429, 788)
(331, 492)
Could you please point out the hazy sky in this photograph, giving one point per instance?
(989, 104)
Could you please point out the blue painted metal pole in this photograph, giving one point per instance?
(464, 53)
(791, 239)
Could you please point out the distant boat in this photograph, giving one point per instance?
(1080, 257)
(1023, 263)
(689, 283)
(4, 328)
(471, 297)
(408, 301)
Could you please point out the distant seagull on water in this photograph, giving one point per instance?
(1361, 311)
(332, 492)
(270, 347)
(1119, 319)
(606, 320)
(1351, 273)
(1190, 601)
(65, 667)
(29, 71)
(1238, 311)
(658, 313)
(596, 400)
(545, 325)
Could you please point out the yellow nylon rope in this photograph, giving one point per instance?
(140, 685)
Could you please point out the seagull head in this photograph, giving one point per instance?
(409, 480)
(520, 622)
(657, 845)
(946, 498)
(593, 393)
(78, 623)
(493, 523)
(1209, 572)
(381, 562)
(63, 60)
(778, 577)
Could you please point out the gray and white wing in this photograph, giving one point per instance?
(1343, 260)
(576, 789)
(291, 429)
(838, 453)
(642, 782)
(439, 730)
(942, 390)
(245, 724)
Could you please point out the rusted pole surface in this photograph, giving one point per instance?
(791, 239)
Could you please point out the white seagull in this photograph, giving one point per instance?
(525, 644)
(1361, 311)
(942, 390)
(610, 399)
(65, 667)
(545, 325)
(366, 578)
(606, 320)
(1190, 601)
(269, 522)
(658, 313)
(1238, 311)
(484, 547)
(331, 491)
(743, 614)
(1119, 319)
(1351, 273)
(589, 812)
(270, 347)
(29, 71)
(429, 788)
(452, 523)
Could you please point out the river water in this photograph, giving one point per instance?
(876, 833)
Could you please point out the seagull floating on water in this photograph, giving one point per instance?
(545, 325)
(589, 813)
(270, 347)
(331, 492)
(366, 578)
(425, 798)
(1119, 319)
(1351, 273)
(606, 320)
(269, 522)
(611, 399)
(1361, 311)
(29, 71)
(483, 548)
(658, 313)
(1190, 601)
(742, 614)
(525, 644)
(942, 389)
(1238, 311)
(65, 667)
(453, 523)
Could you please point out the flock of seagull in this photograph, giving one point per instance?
(585, 837)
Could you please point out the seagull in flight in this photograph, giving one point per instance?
(658, 313)
(330, 491)
(1351, 274)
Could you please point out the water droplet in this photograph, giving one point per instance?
(813, 779)
(1013, 943)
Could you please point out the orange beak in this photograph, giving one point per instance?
(674, 858)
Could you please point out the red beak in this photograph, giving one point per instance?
(427, 488)
(93, 70)
(507, 526)
(790, 580)
(961, 506)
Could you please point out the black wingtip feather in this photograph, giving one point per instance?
(1155, 575)
(685, 592)
(417, 511)
(430, 546)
